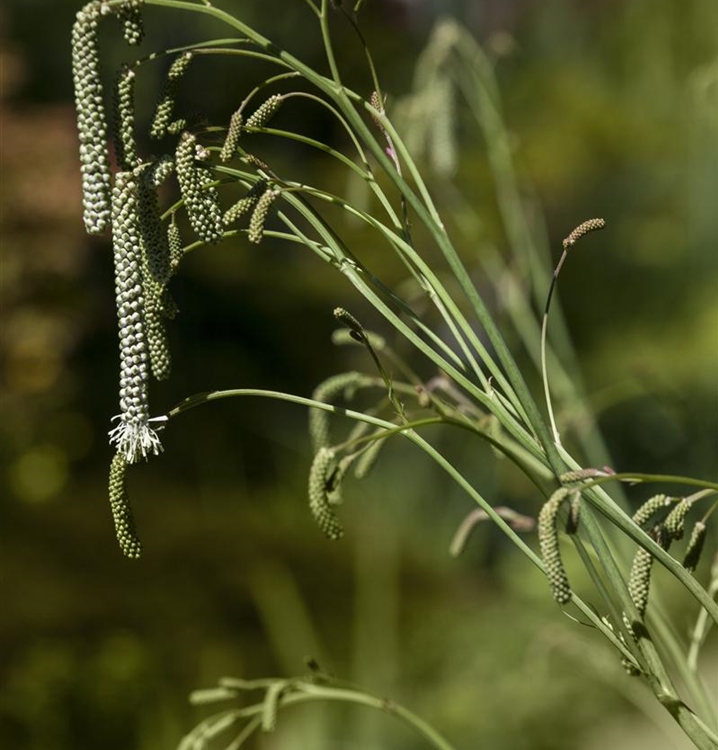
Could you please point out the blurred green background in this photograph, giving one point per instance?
(612, 109)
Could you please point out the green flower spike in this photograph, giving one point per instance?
(344, 383)
(91, 122)
(695, 547)
(163, 117)
(639, 580)
(201, 200)
(323, 491)
(549, 544)
(265, 112)
(651, 507)
(582, 229)
(130, 13)
(133, 436)
(233, 133)
(162, 169)
(260, 213)
(174, 240)
(675, 522)
(121, 510)
(368, 458)
(124, 119)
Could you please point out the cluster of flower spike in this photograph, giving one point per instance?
(664, 533)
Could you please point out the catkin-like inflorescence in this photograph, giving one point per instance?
(574, 512)
(675, 522)
(232, 139)
(326, 392)
(121, 509)
(580, 474)
(133, 436)
(695, 547)
(156, 270)
(376, 102)
(154, 236)
(174, 240)
(130, 13)
(271, 704)
(246, 203)
(199, 196)
(639, 580)
(651, 507)
(162, 122)
(239, 209)
(162, 169)
(368, 458)
(550, 552)
(264, 113)
(168, 306)
(157, 340)
(260, 213)
(91, 122)
(321, 484)
(356, 329)
(587, 226)
(124, 120)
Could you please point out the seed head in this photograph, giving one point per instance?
(130, 13)
(164, 113)
(232, 139)
(639, 580)
(322, 483)
(260, 213)
(695, 547)
(344, 383)
(651, 507)
(124, 119)
(162, 169)
(91, 122)
(368, 458)
(133, 436)
(121, 510)
(200, 197)
(550, 551)
(675, 522)
(174, 240)
(587, 226)
(265, 112)
(239, 209)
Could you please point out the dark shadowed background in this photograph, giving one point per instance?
(612, 109)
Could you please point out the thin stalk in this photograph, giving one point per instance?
(544, 371)
(702, 626)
